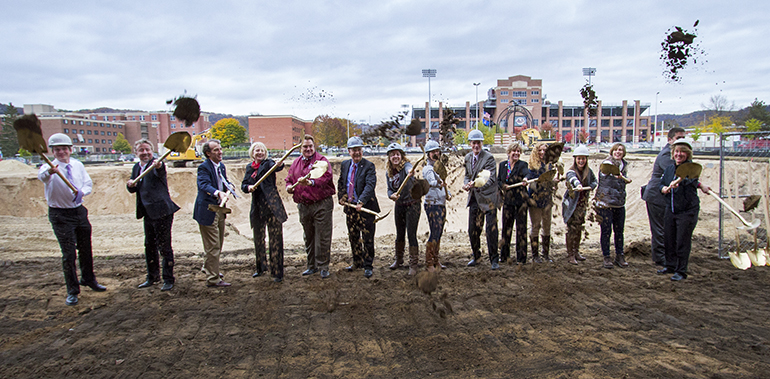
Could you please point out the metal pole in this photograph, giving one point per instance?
(428, 73)
(347, 118)
(477, 103)
(655, 129)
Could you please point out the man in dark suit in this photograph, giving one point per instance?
(483, 199)
(213, 188)
(356, 184)
(656, 201)
(154, 204)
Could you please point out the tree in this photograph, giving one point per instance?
(719, 105)
(329, 131)
(758, 111)
(121, 144)
(9, 143)
(753, 125)
(583, 136)
(696, 133)
(719, 124)
(229, 132)
(568, 137)
(460, 137)
(546, 130)
(489, 134)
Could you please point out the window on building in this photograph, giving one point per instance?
(66, 121)
(535, 122)
(617, 111)
(114, 118)
(617, 122)
(101, 124)
(535, 100)
(81, 122)
(66, 130)
(535, 92)
(566, 124)
(503, 101)
(103, 141)
(173, 118)
(102, 132)
(553, 112)
(630, 111)
(630, 123)
(106, 118)
(119, 126)
(93, 117)
(88, 123)
(109, 133)
(154, 117)
(109, 141)
(74, 131)
(173, 126)
(566, 112)
(141, 118)
(90, 140)
(519, 93)
(82, 131)
(88, 132)
(97, 150)
(521, 101)
(606, 112)
(605, 123)
(503, 93)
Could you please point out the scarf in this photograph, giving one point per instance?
(255, 166)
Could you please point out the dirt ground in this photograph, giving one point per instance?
(543, 321)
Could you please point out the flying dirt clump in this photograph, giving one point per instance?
(427, 281)
(678, 50)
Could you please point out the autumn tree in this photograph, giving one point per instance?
(758, 111)
(719, 124)
(9, 144)
(121, 144)
(333, 131)
(546, 130)
(753, 125)
(568, 137)
(229, 132)
(719, 105)
(460, 137)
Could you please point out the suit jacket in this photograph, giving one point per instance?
(207, 187)
(514, 196)
(152, 198)
(265, 200)
(487, 196)
(651, 194)
(365, 183)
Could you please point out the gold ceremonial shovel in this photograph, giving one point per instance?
(177, 142)
(30, 137)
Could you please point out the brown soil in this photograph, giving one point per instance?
(545, 320)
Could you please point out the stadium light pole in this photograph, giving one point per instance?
(655, 129)
(428, 73)
(589, 72)
(477, 103)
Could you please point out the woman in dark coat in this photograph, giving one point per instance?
(510, 172)
(682, 208)
(611, 205)
(266, 210)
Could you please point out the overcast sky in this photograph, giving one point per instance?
(364, 59)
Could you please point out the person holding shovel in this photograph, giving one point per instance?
(483, 199)
(580, 180)
(355, 186)
(514, 171)
(266, 211)
(213, 189)
(68, 216)
(540, 203)
(683, 206)
(154, 204)
(435, 206)
(407, 209)
(611, 205)
(315, 205)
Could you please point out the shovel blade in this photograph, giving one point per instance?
(218, 209)
(751, 226)
(178, 142)
(29, 134)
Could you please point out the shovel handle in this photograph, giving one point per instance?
(275, 167)
(365, 210)
(411, 173)
(148, 169)
(733, 211)
(675, 182)
(67, 182)
(291, 187)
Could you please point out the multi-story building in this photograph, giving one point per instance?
(278, 132)
(518, 102)
(95, 132)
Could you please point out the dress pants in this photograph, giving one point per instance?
(361, 236)
(476, 218)
(316, 220)
(514, 214)
(73, 231)
(678, 236)
(407, 218)
(613, 220)
(213, 237)
(655, 215)
(157, 237)
(275, 233)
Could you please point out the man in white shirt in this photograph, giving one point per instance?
(68, 216)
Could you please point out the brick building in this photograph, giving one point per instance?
(278, 132)
(95, 132)
(518, 102)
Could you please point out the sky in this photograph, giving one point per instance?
(362, 60)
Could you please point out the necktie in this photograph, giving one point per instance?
(473, 166)
(69, 173)
(220, 178)
(351, 184)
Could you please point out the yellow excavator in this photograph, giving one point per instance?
(532, 136)
(193, 153)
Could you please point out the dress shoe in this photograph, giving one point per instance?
(167, 286)
(324, 274)
(148, 283)
(256, 274)
(663, 271)
(352, 267)
(367, 273)
(277, 279)
(220, 283)
(677, 277)
(309, 271)
(95, 286)
(472, 263)
(495, 265)
(579, 257)
(72, 300)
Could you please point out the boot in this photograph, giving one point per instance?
(607, 262)
(535, 250)
(576, 247)
(620, 260)
(547, 249)
(399, 255)
(570, 252)
(437, 262)
(430, 256)
(414, 258)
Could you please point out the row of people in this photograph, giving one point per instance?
(356, 190)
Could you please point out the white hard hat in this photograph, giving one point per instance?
(431, 145)
(395, 146)
(355, 142)
(581, 151)
(59, 139)
(475, 135)
(682, 142)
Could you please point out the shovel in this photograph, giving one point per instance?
(318, 170)
(411, 173)
(687, 170)
(272, 169)
(746, 225)
(221, 209)
(30, 137)
(177, 142)
(544, 177)
(611, 169)
(377, 218)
